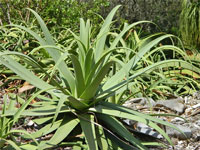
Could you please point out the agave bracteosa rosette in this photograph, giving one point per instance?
(79, 86)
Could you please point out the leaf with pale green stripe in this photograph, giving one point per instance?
(28, 147)
(13, 144)
(89, 63)
(108, 110)
(121, 34)
(24, 132)
(55, 54)
(40, 121)
(80, 84)
(88, 128)
(24, 106)
(85, 33)
(58, 108)
(101, 37)
(32, 62)
(39, 111)
(95, 67)
(45, 130)
(119, 128)
(101, 138)
(167, 63)
(61, 133)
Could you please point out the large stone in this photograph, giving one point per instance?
(174, 105)
(141, 100)
(174, 133)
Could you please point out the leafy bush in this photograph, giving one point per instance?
(56, 14)
(163, 13)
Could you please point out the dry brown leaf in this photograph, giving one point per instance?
(26, 86)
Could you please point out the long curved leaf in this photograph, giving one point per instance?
(119, 128)
(25, 73)
(103, 34)
(68, 124)
(132, 62)
(80, 84)
(162, 64)
(107, 110)
(88, 129)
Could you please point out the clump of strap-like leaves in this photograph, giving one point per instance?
(189, 23)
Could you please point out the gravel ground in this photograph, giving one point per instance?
(187, 107)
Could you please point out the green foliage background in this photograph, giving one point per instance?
(165, 13)
(190, 25)
(65, 13)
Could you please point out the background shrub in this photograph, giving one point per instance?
(165, 13)
(67, 12)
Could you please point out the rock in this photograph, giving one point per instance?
(174, 105)
(143, 128)
(198, 122)
(196, 106)
(197, 147)
(188, 111)
(186, 99)
(174, 133)
(142, 101)
(196, 126)
(196, 95)
(31, 123)
(178, 120)
(197, 138)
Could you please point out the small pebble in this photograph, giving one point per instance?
(196, 106)
(177, 119)
(198, 122)
(30, 123)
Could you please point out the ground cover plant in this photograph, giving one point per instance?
(78, 96)
(7, 123)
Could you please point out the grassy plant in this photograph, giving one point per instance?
(189, 24)
(80, 84)
(162, 83)
(8, 135)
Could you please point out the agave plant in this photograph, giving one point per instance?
(80, 84)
